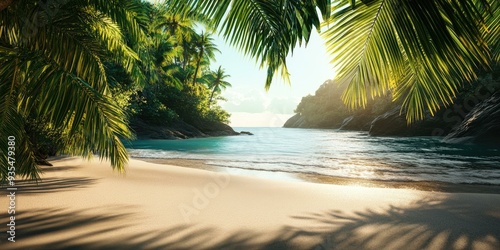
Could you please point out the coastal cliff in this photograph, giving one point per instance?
(474, 117)
(181, 130)
(481, 125)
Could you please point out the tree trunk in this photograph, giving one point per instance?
(5, 3)
(198, 65)
(211, 96)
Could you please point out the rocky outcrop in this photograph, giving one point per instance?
(393, 123)
(481, 125)
(180, 130)
(473, 117)
(296, 121)
(302, 121)
(357, 123)
(212, 128)
(389, 124)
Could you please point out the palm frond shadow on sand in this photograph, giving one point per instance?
(52, 184)
(427, 224)
(452, 224)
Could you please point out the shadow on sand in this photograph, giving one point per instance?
(49, 185)
(456, 223)
(452, 224)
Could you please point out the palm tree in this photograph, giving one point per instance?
(57, 73)
(180, 27)
(160, 49)
(216, 82)
(205, 51)
(265, 30)
(422, 51)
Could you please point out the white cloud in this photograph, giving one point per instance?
(258, 101)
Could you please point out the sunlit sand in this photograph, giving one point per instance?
(85, 205)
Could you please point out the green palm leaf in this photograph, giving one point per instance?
(265, 30)
(205, 49)
(421, 51)
(58, 72)
(216, 82)
(492, 30)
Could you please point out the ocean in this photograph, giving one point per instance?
(333, 153)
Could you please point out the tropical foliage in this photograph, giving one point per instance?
(74, 72)
(177, 69)
(83, 67)
(265, 30)
(325, 109)
(421, 51)
(216, 82)
(53, 58)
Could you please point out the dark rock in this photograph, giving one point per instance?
(481, 125)
(296, 121)
(389, 124)
(292, 121)
(213, 128)
(436, 125)
(246, 133)
(175, 130)
(357, 123)
(392, 123)
(329, 121)
(180, 130)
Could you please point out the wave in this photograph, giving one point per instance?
(337, 154)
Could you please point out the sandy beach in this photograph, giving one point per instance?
(86, 205)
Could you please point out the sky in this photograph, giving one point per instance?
(247, 100)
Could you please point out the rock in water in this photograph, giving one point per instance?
(481, 125)
(389, 124)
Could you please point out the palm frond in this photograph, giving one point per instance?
(265, 30)
(422, 51)
(492, 30)
(12, 123)
(59, 73)
(131, 16)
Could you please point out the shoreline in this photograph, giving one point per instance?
(344, 181)
(86, 205)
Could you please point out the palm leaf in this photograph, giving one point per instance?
(265, 30)
(492, 30)
(407, 47)
(58, 72)
(13, 124)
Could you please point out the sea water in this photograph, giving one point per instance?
(334, 153)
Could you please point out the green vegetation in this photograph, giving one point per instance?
(265, 30)
(176, 68)
(421, 51)
(83, 68)
(53, 69)
(73, 73)
(325, 109)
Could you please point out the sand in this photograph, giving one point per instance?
(86, 205)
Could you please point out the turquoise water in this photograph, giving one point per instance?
(335, 153)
